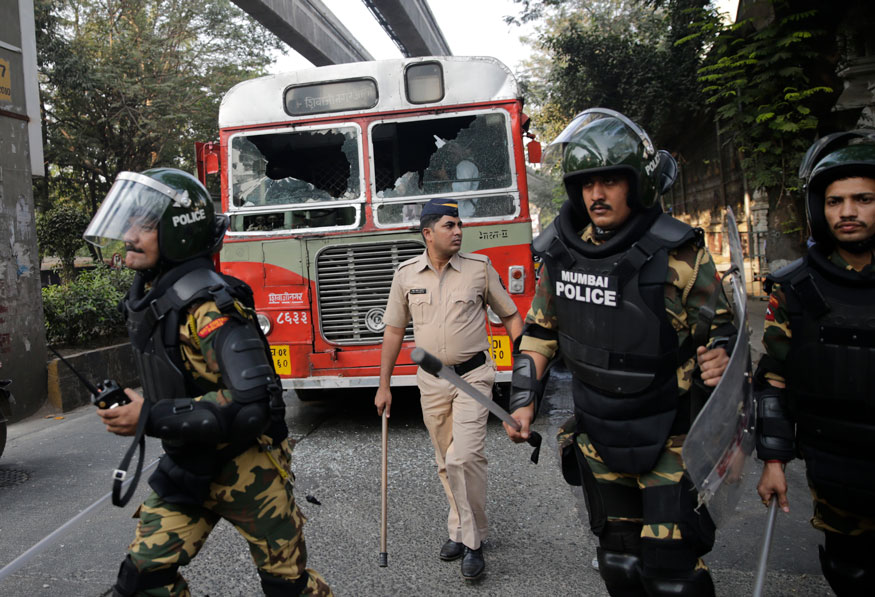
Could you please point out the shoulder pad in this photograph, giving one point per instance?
(786, 273)
(474, 256)
(240, 290)
(196, 285)
(672, 232)
(542, 242)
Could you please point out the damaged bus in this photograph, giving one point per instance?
(323, 174)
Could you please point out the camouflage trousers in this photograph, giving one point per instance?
(660, 504)
(830, 519)
(252, 495)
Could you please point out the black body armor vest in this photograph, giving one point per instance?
(831, 363)
(830, 373)
(616, 339)
(153, 324)
(153, 319)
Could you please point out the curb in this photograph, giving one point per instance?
(66, 392)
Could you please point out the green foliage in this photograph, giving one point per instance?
(764, 100)
(59, 234)
(618, 54)
(131, 85)
(87, 307)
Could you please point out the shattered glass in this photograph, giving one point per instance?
(290, 168)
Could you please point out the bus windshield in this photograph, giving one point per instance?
(294, 167)
(465, 155)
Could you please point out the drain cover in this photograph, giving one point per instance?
(9, 477)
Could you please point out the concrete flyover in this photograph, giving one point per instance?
(310, 28)
(411, 25)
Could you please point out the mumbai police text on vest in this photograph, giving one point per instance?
(587, 288)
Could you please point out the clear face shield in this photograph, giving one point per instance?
(134, 201)
(555, 151)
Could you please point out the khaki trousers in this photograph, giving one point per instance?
(456, 424)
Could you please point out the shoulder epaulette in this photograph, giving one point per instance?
(410, 261)
(474, 256)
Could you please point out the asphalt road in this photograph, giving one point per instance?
(539, 541)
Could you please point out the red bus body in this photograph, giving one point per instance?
(323, 172)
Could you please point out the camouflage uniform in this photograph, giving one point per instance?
(691, 280)
(777, 337)
(253, 491)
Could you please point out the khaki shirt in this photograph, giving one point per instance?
(448, 309)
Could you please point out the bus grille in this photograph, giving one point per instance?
(353, 282)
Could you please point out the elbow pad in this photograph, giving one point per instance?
(249, 376)
(187, 421)
(524, 385)
(775, 432)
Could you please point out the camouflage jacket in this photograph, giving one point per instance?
(776, 330)
(197, 336)
(691, 279)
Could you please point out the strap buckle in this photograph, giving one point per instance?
(186, 407)
(119, 475)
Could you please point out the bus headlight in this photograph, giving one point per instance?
(516, 279)
(263, 323)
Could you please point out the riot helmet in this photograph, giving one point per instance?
(174, 201)
(846, 154)
(600, 141)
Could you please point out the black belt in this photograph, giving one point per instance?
(476, 361)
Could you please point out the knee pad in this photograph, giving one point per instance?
(621, 573)
(677, 504)
(130, 581)
(693, 583)
(846, 564)
(277, 586)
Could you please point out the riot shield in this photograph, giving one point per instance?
(721, 438)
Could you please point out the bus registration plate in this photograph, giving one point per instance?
(501, 351)
(281, 361)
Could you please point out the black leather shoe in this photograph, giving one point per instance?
(473, 564)
(452, 551)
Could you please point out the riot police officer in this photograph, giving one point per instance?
(621, 297)
(814, 385)
(210, 394)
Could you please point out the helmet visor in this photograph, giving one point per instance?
(133, 201)
(556, 149)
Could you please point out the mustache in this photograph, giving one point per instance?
(841, 223)
(601, 204)
(132, 249)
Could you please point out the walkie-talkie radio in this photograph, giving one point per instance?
(106, 394)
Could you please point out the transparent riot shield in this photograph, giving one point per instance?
(721, 438)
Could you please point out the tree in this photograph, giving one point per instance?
(771, 82)
(59, 232)
(131, 84)
(618, 54)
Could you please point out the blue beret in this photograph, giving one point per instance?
(440, 207)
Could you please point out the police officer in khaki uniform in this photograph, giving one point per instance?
(446, 293)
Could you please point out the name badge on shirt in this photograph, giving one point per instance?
(417, 291)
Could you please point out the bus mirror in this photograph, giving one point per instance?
(534, 149)
(207, 157)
